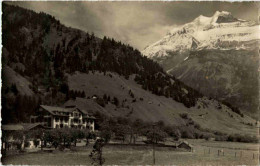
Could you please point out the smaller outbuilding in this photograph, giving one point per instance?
(13, 135)
(185, 145)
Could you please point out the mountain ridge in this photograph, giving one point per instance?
(216, 32)
(214, 55)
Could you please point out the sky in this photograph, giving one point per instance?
(136, 23)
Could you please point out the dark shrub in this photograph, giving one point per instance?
(101, 102)
(197, 126)
(186, 134)
(184, 116)
(220, 138)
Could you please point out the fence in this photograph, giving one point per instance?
(235, 153)
(142, 145)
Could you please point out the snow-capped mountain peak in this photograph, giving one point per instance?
(221, 31)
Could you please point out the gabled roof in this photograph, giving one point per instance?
(29, 126)
(21, 126)
(53, 109)
(185, 142)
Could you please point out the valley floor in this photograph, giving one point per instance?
(205, 153)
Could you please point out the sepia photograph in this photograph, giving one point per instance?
(130, 83)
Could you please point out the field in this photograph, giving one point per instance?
(205, 153)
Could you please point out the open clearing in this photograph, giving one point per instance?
(205, 153)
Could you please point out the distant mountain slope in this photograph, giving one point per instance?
(11, 77)
(65, 66)
(216, 55)
(150, 107)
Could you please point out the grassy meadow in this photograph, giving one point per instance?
(205, 153)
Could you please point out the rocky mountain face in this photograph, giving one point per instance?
(216, 55)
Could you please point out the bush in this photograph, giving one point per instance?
(220, 138)
(208, 136)
(186, 134)
(184, 116)
(116, 101)
(106, 135)
(197, 126)
(156, 135)
(197, 135)
(191, 122)
(101, 102)
(219, 133)
(242, 138)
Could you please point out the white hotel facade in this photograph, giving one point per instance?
(59, 117)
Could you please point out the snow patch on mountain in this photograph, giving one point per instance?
(221, 31)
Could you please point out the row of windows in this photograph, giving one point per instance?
(61, 113)
(75, 114)
(72, 126)
(62, 119)
(74, 120)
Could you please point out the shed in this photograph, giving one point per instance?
(8, 131)
(185, 145)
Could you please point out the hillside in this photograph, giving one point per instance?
(218, 56)
(60, 65)
(150, 107)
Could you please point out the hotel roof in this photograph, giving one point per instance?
(69, 109)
